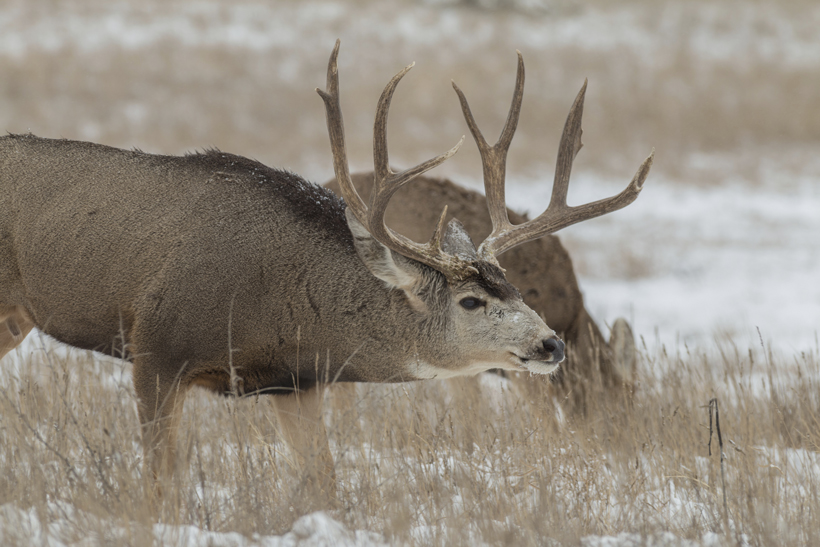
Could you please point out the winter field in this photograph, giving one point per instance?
(716, 266)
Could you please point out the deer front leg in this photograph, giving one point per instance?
(300, 419)
(624, 352)
(161, 397)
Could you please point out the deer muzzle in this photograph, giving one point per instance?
(545, 358)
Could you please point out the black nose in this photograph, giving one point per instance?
(555, 347)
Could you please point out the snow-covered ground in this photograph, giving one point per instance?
(24, 527)
(662, 502)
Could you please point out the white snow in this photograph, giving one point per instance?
(312, 530)
(666, 539)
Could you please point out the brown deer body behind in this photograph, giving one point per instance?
(540, 269)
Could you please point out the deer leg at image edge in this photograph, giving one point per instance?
(14, 327)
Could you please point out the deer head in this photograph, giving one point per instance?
(462, 288)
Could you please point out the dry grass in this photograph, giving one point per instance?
(435, 463)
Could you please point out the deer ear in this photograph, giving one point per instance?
(397, 271)
(457, 242)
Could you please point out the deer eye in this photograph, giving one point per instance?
(471, 303)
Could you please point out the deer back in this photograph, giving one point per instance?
(107, 248)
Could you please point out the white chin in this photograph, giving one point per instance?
(540, 367)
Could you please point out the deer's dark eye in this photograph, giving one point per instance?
(471, 303)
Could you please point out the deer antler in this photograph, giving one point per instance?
(386, 182)
(558, 214)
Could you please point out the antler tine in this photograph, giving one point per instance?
(438, 234)
(568, 148)
(515, 107)
(336, 131)
(558, 214)
(381, 162)
(386, 184)
(494, 158)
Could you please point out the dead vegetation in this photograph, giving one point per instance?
(434, 463)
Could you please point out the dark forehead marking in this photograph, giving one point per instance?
(492, 279)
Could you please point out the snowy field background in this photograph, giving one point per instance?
(720, 249)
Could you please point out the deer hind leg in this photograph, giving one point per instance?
(300, 419)
(15, 325)
(613, 362)
(624, 352)
(160, 402)
(587, 362)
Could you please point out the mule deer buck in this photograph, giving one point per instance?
(540, 269)
(213, 270)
